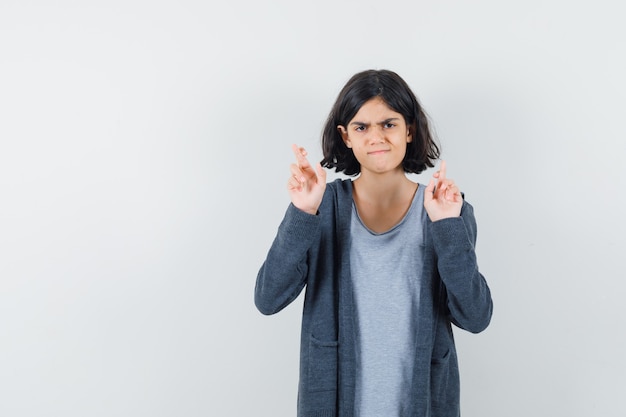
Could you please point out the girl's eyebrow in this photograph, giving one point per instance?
(391, 119)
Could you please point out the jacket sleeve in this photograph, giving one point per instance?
(468, 295)
(283, 273)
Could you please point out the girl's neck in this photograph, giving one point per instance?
(384, 189)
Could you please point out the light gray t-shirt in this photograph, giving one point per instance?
(385, 269)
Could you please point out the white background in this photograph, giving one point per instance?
(144, 154)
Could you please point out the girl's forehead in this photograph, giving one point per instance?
(375, 105)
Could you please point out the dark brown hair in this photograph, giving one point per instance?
(421, 152)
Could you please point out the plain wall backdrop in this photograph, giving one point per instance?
(145, 149)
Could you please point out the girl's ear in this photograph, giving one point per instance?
(344, 135)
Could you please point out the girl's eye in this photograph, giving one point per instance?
(389, 125)
(359, 128)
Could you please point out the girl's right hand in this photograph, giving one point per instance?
(306, 186)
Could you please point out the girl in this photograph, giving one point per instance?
(388, 264)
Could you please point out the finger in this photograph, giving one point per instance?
(453, 193)
(300, 154)
(429, 191)
(297, 151)
(296, 173)
(442, 170)
(294, 184)
(447, 187)
(450, 191)
(446, 183)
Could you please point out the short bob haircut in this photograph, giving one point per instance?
(421, 152)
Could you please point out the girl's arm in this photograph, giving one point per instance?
(468, 295)
(453, 229)
(283, 274)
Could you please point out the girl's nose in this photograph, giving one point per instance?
(377, 135)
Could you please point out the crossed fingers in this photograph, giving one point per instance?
(299, 170)
(445, 186)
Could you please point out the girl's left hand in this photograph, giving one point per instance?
(445, 201)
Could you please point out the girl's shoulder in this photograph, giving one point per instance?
(342, 184)
(338, 193)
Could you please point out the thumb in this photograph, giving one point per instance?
(428, 192)
(321, 173)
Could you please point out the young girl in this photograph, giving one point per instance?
(388, 264)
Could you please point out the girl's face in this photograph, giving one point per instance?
(378, 137)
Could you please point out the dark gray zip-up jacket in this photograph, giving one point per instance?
(313, 251)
